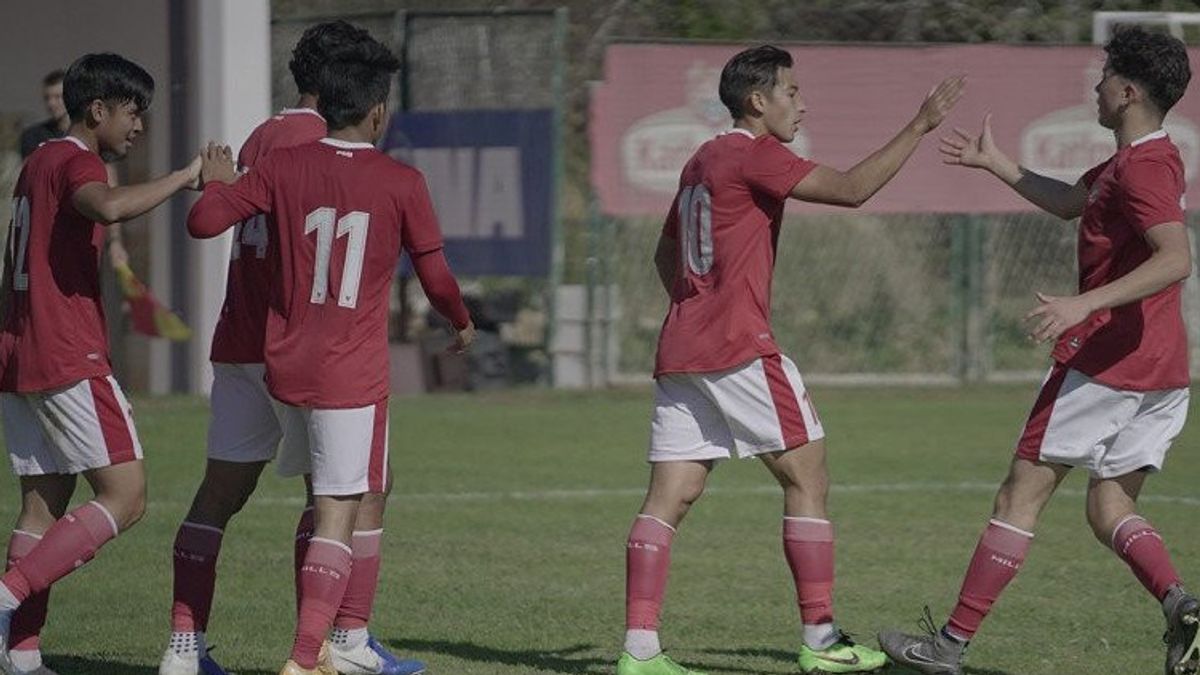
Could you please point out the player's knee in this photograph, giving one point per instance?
(689, 492)
(34, 521)
(673, 502)
(130, 509)
(1102, 522)
(812, 488)
(223, 498)
(1011, 508)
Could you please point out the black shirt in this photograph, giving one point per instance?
(37, 134)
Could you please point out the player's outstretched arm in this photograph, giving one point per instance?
(105, 204)
(856, 186)
(1169, 263)
(223, 205)
(117, 255)
(1053, 196)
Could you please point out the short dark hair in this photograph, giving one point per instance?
(1157, 61)
(319, 45)
(751, 70)
(108, 77)
(356, 80)
(53, 77)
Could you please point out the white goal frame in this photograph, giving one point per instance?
(1103, 23)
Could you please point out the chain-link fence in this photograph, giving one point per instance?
(867, 298)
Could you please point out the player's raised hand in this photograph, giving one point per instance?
(1056, 315)
(963, 149)
(939, 102)
(217, 164)
(463, 339)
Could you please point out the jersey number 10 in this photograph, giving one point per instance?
(695, 225)
(355, 224)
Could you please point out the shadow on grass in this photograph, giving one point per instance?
(78, 665)
(785, 656)
(578, 658)
(893, 669)
(571, 659)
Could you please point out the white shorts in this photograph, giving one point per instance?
(245, 426)
(347, 447)
(69, 430)
(1080, 422)
(757, 407)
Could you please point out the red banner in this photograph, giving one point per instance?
(658, 103)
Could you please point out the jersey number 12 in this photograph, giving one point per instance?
(19, 238)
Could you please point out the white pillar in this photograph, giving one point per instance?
(232, 80)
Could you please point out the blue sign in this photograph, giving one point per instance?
(490, 173)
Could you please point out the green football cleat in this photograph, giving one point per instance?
(659, 665)
(844, 656)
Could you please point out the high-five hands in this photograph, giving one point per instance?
(977, 151)
(216, 164)
(939, 102)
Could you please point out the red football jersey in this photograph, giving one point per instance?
(53, 325)
(725, 219)
(343, 212)
(238, 337)
(1141, 346)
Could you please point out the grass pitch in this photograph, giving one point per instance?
(504, 549)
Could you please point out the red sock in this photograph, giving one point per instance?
(69, 543)
(323, 578)
(1141, 547)
(808, 546)
(24, 634)
(304, 533)
(647, 561)
(998, 557)
(355, 611)
(196, 550)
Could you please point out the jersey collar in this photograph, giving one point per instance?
(301, 111)
(347, 145)
(1152, 136)
(739, 130)
(71, 139)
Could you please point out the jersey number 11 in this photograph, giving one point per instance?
(354, 224)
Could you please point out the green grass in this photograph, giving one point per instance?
(505, 536)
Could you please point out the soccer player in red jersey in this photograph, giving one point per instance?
(723, 387)
(64, 414)
(244, 433)
(1117, 393)
(343, 213)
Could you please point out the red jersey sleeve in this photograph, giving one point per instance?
(670, 227)
(1093, 173)
(222, 205)
(83, 168)
(441, 288)
(772, 168)
(420, 233)
(248, 152)
(1152, 191)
